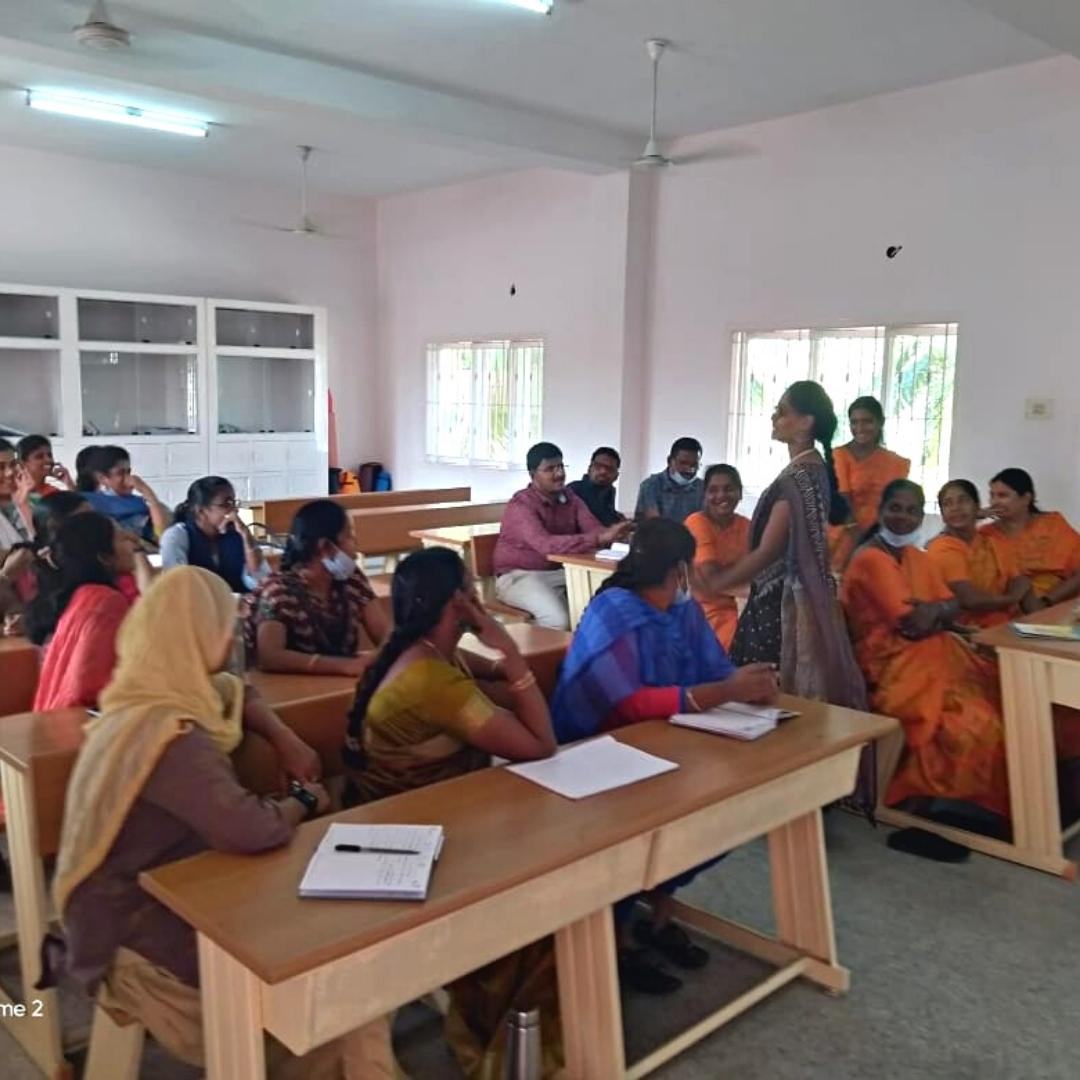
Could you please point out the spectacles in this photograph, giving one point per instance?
(226, 504)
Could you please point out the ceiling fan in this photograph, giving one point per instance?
(100, 32)
(652, 157)
(304, 225)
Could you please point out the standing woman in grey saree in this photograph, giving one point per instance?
(793, 618)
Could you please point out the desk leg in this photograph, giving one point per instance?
(578, 593)
(800, 888)
(1029, 750)
(39, 1035)
(231, 1015)
(589, 998)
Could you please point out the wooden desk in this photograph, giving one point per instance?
(584, 576)
(19, 662)
(1035, 675)
(521, 862)
(391, 531)
(277, 514)
(542, 648)
(457, 537)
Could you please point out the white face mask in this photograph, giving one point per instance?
(895, 540)
(679, 479)
(340, 566)
(682, 592)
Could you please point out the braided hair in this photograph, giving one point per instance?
(808, 398)
(424, 583)
(658, 547)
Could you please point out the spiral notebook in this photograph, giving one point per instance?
(373, 875)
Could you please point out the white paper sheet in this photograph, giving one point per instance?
(589, 768)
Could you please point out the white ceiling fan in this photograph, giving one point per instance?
(100, 32)
(652, 157)
(304, 225)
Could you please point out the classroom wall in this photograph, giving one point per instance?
(447, 260)
(75, 222)
(976, 178)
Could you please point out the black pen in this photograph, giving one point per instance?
(357, 849)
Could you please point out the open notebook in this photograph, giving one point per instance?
(615, 553)
(373, 875)
(1060, 631)
(736, 720)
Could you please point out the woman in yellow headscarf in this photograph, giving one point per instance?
(153, 783)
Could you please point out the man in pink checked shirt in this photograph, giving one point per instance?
(541, 520)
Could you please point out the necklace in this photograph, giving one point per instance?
(802, 454)
(427, 643)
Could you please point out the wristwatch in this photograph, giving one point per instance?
(301, 794)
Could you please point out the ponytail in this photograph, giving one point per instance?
(809, 399)
(423, 585)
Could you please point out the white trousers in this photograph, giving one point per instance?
(542, 593)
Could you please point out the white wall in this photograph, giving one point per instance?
(74, 222)
(976, 178)
(447, 259)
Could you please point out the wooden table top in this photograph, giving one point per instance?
(531, 640)
(249, 905)
(589, 561)
(1005, 637)
(279, 689)
(455, 535)
(16, 645)
(29, 737)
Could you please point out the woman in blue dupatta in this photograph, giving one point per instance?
(645, 651)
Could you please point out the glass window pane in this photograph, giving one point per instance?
(130, 393)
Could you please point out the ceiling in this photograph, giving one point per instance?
(399, 94)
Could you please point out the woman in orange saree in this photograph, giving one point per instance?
(946, 695)
(1045, 546)
(983, 577)
(863, 469)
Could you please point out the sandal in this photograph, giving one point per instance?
(674, 942)
(637, 972)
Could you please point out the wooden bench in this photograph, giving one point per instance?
(390, 531)
(19, 664)
(277, 514)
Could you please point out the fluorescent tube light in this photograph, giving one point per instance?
(90, 109)
(541, 7)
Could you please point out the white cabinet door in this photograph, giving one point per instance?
(186, 460)
(149, 459)
(269, 457)
(268, 486)
(307, 483)
(231, 459)
(304, 457)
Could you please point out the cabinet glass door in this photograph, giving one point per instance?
(30, 402)
(237, 327)
(265, 395)
(137, 322)
(131, 393)
(28, 316)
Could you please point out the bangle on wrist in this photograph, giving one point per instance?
(301, 794)
(526, 682)
(692, 701)
(315, 658)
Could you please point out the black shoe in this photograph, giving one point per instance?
(637, 972)
(928, 845)
(674, 942)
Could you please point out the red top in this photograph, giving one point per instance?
(535, 526)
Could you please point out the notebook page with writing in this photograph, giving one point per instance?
(589, 768)
(373, 875)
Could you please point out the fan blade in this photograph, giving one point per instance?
(727, 152)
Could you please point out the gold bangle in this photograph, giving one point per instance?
(313, 661)
(692, 701)
(526, 682)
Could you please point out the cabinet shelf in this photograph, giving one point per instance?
(30, 344)
(226, 351)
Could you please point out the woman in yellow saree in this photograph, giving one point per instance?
(946, 695)
(419, 718)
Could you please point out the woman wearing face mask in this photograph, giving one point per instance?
(209, 533)
(1045, 546)
(945, 694)
(644, 651)
(984, 578)
(722, 537)
(309, 616)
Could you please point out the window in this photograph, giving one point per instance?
(484, 402)
(909, 369)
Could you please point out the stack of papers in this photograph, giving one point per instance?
(1066, 632)
(393, 862)
(591, 767)
(615, 553)
(736, 720)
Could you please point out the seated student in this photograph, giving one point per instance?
(983, 576)
(126, 498)
(1045, 547)
(47, 477)
(78, 616)
(209, 533)
(308, 617)
(418, 719)
(16, 514)
(153, 783)
(677, 491)
(645, 651)
(946, 695)
(722, 537)
(596, 489)
(542, 520)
